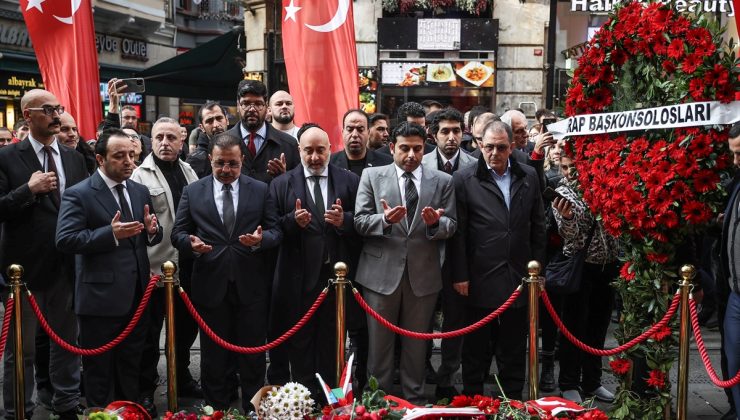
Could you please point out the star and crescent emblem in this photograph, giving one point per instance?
(336, 21)
(36, 4)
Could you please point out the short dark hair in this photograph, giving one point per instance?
(407, 129)
(410, 109)
(224, 141)
(473, 114)
(101, 126)
(431, 102)
(373, 118)
(209, 105)
(447, 114)
(128, 108)
(18, 124)
(499, 126)
(541, 112)
(254, 87)
(355, 111)
(429, 118)
(101, 146)
(734, 131)
(305, 128)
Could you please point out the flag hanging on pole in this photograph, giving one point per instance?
(321, 61)
(63, 36)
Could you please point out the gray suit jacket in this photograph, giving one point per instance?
(387, 251)
(430, 160)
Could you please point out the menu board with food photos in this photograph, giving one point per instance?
(448, 74)
(368, 89)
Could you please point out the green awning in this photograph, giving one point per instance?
(210, 71)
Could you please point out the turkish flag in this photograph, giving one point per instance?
(736, 10)
(63, 35)
(321, 60)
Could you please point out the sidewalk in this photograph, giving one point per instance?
(706, 400)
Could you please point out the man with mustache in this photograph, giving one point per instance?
(405, 213)
(231, 275)
(283, 112)
(33, 175)
(70, 137)
(108, 221)
(213, 121)
(165, 175)
(356, 156)
(267, 152)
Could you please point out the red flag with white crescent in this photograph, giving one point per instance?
(63, 36)
(321, 61)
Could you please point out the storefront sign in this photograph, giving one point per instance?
(673, 116)
(691, 6)
(575, 51)
(15, 85)
(130, 48)
(449, 74)
(106, 43)
(253, 75)
(15, 35)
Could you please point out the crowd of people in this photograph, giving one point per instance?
(433, 210)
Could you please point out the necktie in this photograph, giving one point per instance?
(52, 167)
(412, 197)
(229, 217)
(318, 197)
(251, 147)
(448, 167)
(123, 204)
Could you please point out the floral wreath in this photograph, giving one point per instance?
(651, 188)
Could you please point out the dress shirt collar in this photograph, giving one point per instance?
(416, 172)
(109, 182)
(262, 132)
(37, 146)
(218, 185)
(308, 174)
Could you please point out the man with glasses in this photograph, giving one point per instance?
(6, 136)
(501, 227)
(231, 275)
(268, 152)
(356, 156)
(33, 175)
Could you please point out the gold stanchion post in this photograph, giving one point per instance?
(340, 271)
(15, 272)
(534, 284)
(687, 274)
(168, 269)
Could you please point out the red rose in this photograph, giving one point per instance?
(656, 379)
(461, 401)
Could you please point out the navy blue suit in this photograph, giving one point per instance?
(109, 282)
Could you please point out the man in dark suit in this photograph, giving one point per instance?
(227, 221)
(404, 212)
(501, 228)
(33, 175)
(315, 204)
(356, 156)
(268, 152)
(106, 221)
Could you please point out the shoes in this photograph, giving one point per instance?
(445, 392)
(71, 414)
(730, 415)
(190, 389)
(148, 403)
(601, 394)
(547, 376)
(573, 395)
(43, 398)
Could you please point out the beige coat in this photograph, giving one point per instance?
(151, 176)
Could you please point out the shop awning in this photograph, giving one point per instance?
(210, 71)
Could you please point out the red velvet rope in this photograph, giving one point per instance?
(251, 350)
(6, 325)
(703, 351)
(447, 334)
(106, 347)
(610, 352)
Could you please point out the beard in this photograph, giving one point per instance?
(283, 118)
(315, 170)
(254, 124)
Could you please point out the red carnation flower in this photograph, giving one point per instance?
(618, 57)
(705, 181)
(696, 212)
(698, 36)
(657, 258)
(626, 274)
(620, 366)
(656, 379)
(461, 401)
(594, 414)
(662, 333)
(691, 62)
(601, 98)
(667, 219)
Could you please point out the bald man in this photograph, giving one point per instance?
(33, 175)
(315, 202)
(283, 112)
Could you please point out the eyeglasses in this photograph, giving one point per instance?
(498, 147)
(234, 165)
(49, 110)
(259, 106)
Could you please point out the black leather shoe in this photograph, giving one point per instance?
(445, 392)
(71, 414)
(547, 377)
(148, 403)
(190, 389)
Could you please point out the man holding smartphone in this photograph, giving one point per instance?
(128, 117)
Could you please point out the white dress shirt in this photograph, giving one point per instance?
(41, 155)
(219, 198)
(402, 183)
(323, 184)
(259, 137)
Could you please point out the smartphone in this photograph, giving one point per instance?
(135, 85)
(546, 121)
(550, 194)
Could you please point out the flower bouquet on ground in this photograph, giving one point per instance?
(206, 413)
(117, 410)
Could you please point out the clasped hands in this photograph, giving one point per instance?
(333, 216)
(396, 214)
(123, 230)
